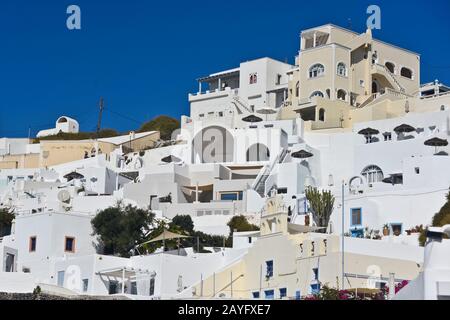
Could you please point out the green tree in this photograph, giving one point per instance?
(241, 224)
(184, 222)
(164, 124)
(6, 218)
(121, 228)
(440, 219)
(321, 205)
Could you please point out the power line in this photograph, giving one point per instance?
(123, 116)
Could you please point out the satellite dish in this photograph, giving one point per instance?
(64, 196)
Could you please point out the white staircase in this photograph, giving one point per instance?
(259, 185)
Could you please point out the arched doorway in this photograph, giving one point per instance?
(375, 87)
(258, 152)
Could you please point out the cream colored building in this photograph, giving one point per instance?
(339, 72)
(55, 152)
(289, 261)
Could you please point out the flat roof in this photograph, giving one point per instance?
(356, 33)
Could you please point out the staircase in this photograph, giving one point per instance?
(260, 182)
(242, 104)
(385, 71)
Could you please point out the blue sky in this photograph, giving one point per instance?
(143, 56)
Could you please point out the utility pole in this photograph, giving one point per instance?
(100, 113)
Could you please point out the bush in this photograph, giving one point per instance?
(6, 218)
(440, 219)
(105, 133)
(164, 124)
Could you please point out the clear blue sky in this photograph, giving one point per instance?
(143, 56)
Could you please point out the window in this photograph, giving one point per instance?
(417, 169)
(316, 94)
(231, 196)
(396, 229)
(269, 268)
(372, 174)
(283, 293)
(390, 66)
(361, 83)
(278, 81)
(342, 95)
(341, 69)
(316, 70)
(253, 78)
(322, 114)
(249, 239)
(315, 288)
(405, 72)
(69, 245)
(220, 114)
(32, 244)
(256, 295)
(270, 294)
(85, 285)
(61, 275)
(298, 295)
(113, 287)
(316, 273)
(356, 217)
(297, 89)
(152, 287)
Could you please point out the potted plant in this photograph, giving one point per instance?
(386, 230)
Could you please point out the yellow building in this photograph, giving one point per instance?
(56, 152)
(289, 261)
(339, 73)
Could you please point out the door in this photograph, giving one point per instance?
(9, 264)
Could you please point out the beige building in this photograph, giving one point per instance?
(56, 152)
(339, 72)
(289, 261)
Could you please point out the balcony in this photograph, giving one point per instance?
(199, 96)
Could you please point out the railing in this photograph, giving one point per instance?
(391, 76)
(261, 179)
(436, 95)
(244, 105)
(371, 98)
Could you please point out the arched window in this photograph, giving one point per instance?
(316, 94)
(405, 72)
(316, 70)
(297, 89)
(258, 152)
(341, 69)
(390, 66)
(322, 114)
(342, 95)
(372, 174)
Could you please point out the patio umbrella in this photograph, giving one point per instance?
(252, 118)
(267, 111)
(73, 175)
(404, 128)
(302, 154)
(368, 132)
(436, 142)
(170, 159)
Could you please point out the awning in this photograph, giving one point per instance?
(120, 272)
(166, 235)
